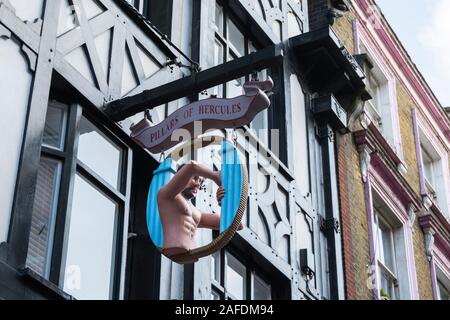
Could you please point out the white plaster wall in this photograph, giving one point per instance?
(14, 92)
(28, 10)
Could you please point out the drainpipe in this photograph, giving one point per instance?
(330, 224)
(429, 242)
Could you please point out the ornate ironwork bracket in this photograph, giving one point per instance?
(329, 224)
(324, 132)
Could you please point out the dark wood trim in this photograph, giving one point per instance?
(254, 264)
(188, 283)
(99, 183)
(118, 245)
(143, 267)
(66, 190)
(54, 153)
(277, 111)
(197, 82)
(30, 155)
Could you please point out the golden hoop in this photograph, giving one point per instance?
(219, 242)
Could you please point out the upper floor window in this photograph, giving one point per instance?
(376, 84)
(434, 172)
(382, 108)
(429, 165)
(393, 251)
(442, 277)
(138, 4)
(444, 290)
(386, 256)
(374, 87)
(231, 43)
(79, 206)
(232, 279)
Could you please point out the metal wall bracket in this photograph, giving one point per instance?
(329, 224)
(324, 132)
(327, 109)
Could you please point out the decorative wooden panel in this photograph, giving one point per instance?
(106, 48)
(278, 17)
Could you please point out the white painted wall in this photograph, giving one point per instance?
(299, 136)
(28, 10)
(14, 104)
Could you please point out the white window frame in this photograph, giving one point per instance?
(442, 274)
(254, 276)
(381, 265)
(393, 215)
(138, 4)
(373, 104)
(388, 105)
(446, 287)
(121, 195)
(219, 287)
(438, 188)
(428, 161)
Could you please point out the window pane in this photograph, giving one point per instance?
(385, 284)
(428, 166)
(261, 126)
(251, 47)
(218, 53)
(215, 266)
(219, 19)
(235, 277)
(55, 124)
(218, 59)
(388, 249)
(380, 244)
(236, 38)
(387, 289)
(44, 211)
(261, 290)
(234, 88)
(215, 295)
(99, 153)
(443, 291)
(90, 243)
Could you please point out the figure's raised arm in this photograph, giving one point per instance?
(210, 221)
(181, 179)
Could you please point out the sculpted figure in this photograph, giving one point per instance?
(179, 217)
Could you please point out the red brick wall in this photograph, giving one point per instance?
(347, 242)
(318, 10)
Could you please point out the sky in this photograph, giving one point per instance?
(423, 26)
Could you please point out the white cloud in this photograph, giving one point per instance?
(435, 39)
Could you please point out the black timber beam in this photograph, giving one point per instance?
(121, 109)
(327, 66)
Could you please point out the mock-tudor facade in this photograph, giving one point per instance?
(348, 197)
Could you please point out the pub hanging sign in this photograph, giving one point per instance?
(172, 219)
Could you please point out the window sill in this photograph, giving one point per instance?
(30, 274)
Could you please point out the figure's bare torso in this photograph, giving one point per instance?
(180, 221)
